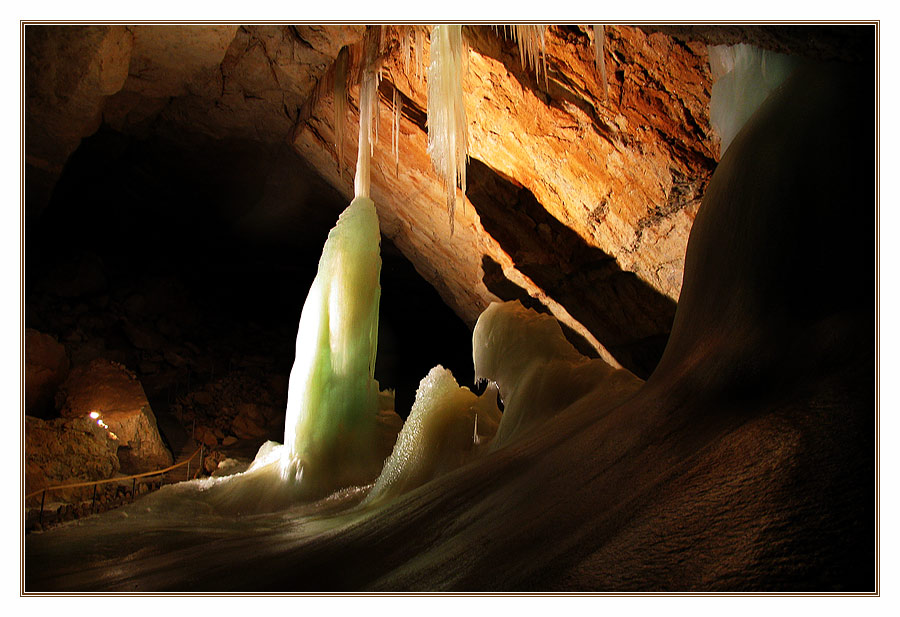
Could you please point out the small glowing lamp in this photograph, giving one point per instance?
(94, 415)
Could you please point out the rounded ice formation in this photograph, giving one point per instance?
(444, 430)
(537, 370)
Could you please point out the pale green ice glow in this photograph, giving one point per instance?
(331, 426)
(743, 77)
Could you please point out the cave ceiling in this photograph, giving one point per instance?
(579, 201)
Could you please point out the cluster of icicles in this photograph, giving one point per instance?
(446, 114)
(341, 431)
(342, 434)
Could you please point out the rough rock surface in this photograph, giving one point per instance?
(46, 367)
(746, 463)
(602, 178)
(610, 180)
(70, 71)
(63, 451)
(565, 145)
(115, 393)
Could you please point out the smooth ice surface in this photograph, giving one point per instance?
(368, 106)
(447, 128)
(537, 370)
(692, 484)
(330, 426)
(443, 431)
(743, 77)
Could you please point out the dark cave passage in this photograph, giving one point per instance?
(185, 263)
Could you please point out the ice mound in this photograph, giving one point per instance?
(537, 370)
(444, 430)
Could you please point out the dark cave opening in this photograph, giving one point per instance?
(189, 262)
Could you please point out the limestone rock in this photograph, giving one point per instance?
(115, 393)
(174, 60)
(600, 173)
(64, 451)
(613, 177)
(251, 421)
(83, 275)
(206, 436)
(71, 70)
(46, 367)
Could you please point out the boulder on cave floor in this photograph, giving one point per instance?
(253, 421)
(115, 394)
(46, 366)
(64, 451)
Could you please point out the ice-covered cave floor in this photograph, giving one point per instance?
(746, 462)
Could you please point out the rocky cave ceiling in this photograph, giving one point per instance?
(579, 201)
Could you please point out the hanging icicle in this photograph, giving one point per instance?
(340, 103)
(532, 47)
(420, 44)
(532, 44)
(396, 110)
(368, 94)
(407, 41)
(447, 129)
(599, 44)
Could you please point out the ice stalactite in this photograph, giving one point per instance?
(341, 73)
(743, 77)
(532, 47)
(337, 431)
(447, 129)
(599, 44)
(331, 427)
(368, 100)
(419, 45)
(406, 44)
(532, 43)
(396, 113)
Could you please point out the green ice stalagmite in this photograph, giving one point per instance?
(335, 435)
(331, 424)
(332, 431)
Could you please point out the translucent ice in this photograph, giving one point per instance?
(331, 424)
(444, 430)
(537, 370)
(743, 77)
(447, 129)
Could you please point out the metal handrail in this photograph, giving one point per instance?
(43, 492)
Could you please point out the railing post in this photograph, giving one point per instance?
(201, 461)
(41, 515)
(188, 476)
(133, 480)
(93, 499)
